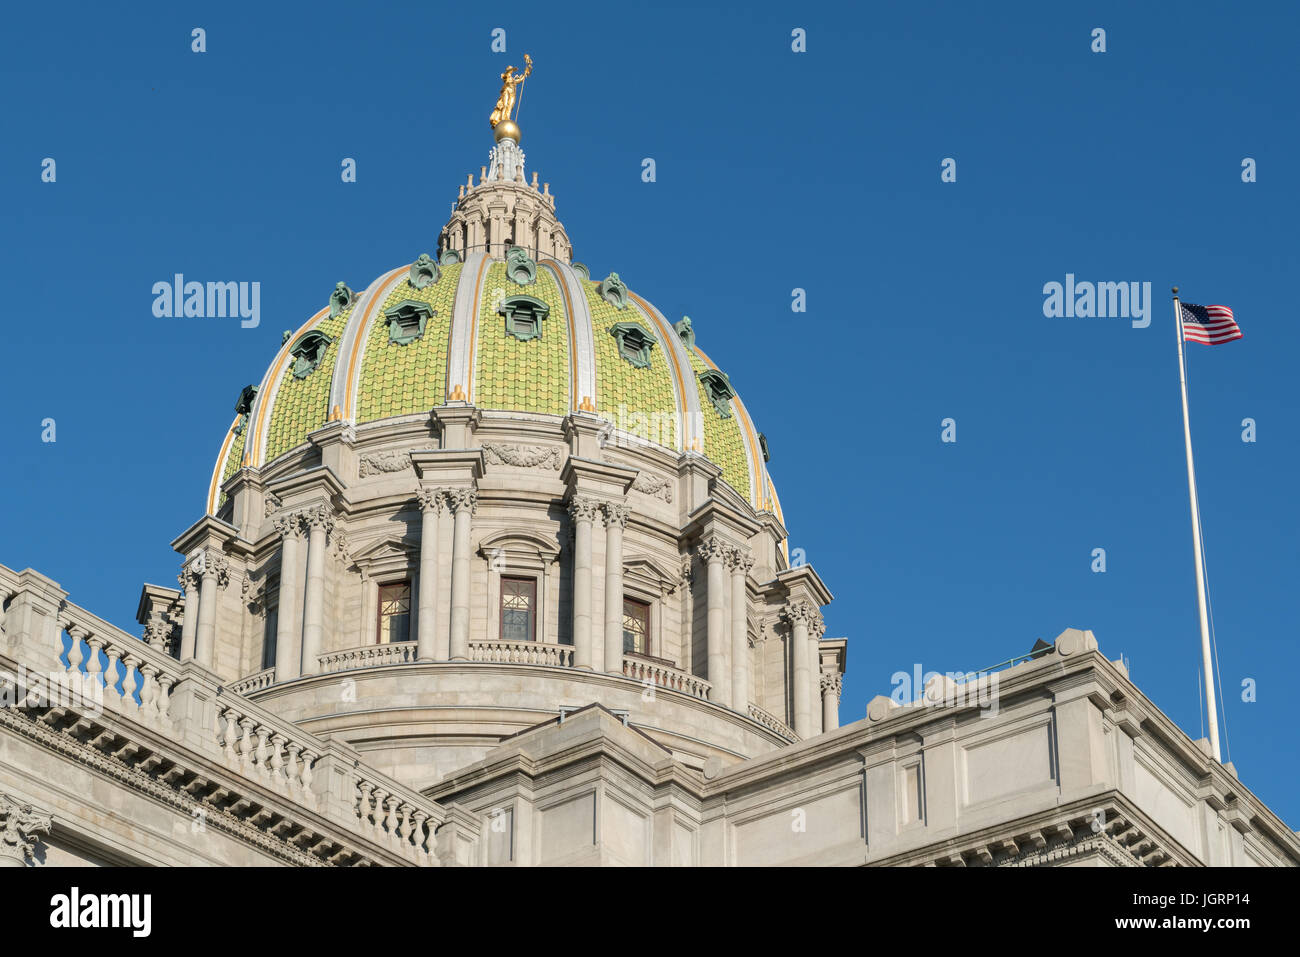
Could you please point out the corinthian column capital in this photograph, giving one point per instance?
(583, 508)
(713, 550)
(211, 562)
(289, 524)
(318, 516)
(739, 560)
(188, 579)
(460, 499)
(432, 499)
(800, 612)
(19, 824)
(616, 514)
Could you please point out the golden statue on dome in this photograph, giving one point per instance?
(500, 119)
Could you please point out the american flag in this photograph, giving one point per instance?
(1208, 324)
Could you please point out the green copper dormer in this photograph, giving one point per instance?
(634, 342)
(308, 352)
(719, 390)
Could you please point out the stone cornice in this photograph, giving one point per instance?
(207, 532)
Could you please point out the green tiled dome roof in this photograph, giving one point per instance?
(459, 344)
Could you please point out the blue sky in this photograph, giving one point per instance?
(775, 170)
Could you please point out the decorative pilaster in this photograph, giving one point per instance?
(189, 582)
(319, 522)
(739, 562)
(713, 553)
(288, 637)
(214, 573)
(432, 645)
(463, 503)
(616, 517)
(19, 825)
(582, 510)
(800, 615)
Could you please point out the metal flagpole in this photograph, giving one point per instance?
(1210, 703)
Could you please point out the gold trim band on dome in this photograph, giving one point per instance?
(550, 265)
(682, 407)
(214, 486)
(384, 287)
(270, 385)
(471, 373)
(756, 467)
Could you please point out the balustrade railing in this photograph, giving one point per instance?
(254, 682)
(272, 751)
(772, 722)
(522, 653)
(109, 668)
(664, 676)
(369, 656)
(389, 813)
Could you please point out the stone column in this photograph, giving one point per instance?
(19, 825)
(831, 685)
(739, 562)
(582, 511)
(427, 624)
(288, 647)
(320, 523)
(799, 614)
(189, 582)
(714, 554)
(463, 502)
(816, 628)
(615, 519)
(214, 573)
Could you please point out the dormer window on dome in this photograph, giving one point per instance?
(634, 343)
(243, 406)
(406, 320)
(524, 316)
(308, 353)
(718, 388)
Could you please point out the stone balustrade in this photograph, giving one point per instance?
(167, 728)
(390, 813)
(772, 723)
(522, 653)
(665, 676)
(109, 667)
(254, 682)
(272, 751)
(369, 656)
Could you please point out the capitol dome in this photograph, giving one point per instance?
(487, 488)
(500, 319)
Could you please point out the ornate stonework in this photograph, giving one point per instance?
(584, 509)
(651, 484)
(615, 514)
(382, 463)
(459, 499)
(19, 825)
(713, 550)
(524, 456)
